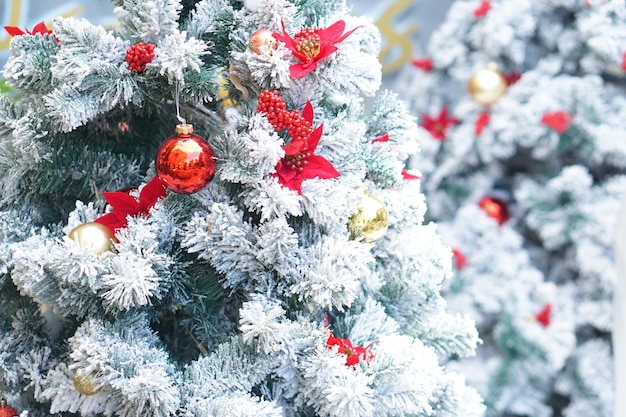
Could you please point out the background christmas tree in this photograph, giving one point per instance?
(200, 218)
(523, 159)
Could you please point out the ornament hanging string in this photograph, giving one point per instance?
(177, 100)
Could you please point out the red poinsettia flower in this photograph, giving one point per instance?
(300, 162)
(425, 64)
(482, 9)
(460, 260)
(39, 28)
(558, 120)
(512, 77)
(312, 45)
(406, 175)
(383, 138)
(354, 354)
(624, 61)
(125, 205)
(481, 123)
(437, 126)
(545, 315)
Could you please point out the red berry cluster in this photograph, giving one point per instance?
(139, 55)
(277, 114)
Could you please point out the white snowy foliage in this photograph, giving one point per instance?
(269, 68)
(225, 239)
(177, 53)
(263, 324)
(81, 39)
(150, 20)
(129, 287)
(260, 150)
(334, 389)
(270, 199)
(233, 405)
(270, 13)
(330, 271)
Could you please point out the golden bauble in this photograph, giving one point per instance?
(85, 384)
(94, 236)
(371, 220)
(487, 85)
(262, 41)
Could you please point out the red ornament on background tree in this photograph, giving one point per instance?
(185, 161)
(558, 121)
(495, 208)
(7, 410)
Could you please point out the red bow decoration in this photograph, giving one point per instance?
(125, 205)
(39, 28)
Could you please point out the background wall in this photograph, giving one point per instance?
(405, 24)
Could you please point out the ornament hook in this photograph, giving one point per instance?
(177, 100)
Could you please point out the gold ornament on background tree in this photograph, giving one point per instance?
(371, 220)
(85, 383)
(262, 41)
(487, 85)
(94, 236)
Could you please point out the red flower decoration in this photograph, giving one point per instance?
(544, 316)
(312, 45)
(383, 138)
(300, 162)
(425, 64)
(408, 176)
(482, 10)
(481, 123)
(558, 120)
(39, 28)
(437, 126)
(354, 354)
(459, 259)
(512, 77)
(125, 205)
(624, 61)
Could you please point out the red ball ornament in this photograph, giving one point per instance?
(495, 208)
(184, 161)
(7, 411)
(261, 41)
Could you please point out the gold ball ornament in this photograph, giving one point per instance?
(371, 220)
(262, 41)
(94, 236)
(85, 383)
(487, 85)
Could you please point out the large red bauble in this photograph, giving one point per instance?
(185, 162)
(495, 208)
(7, 411)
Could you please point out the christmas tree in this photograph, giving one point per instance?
(206, 211)
(522, 107)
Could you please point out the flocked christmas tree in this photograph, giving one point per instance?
(523, 109)
(200, 218)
